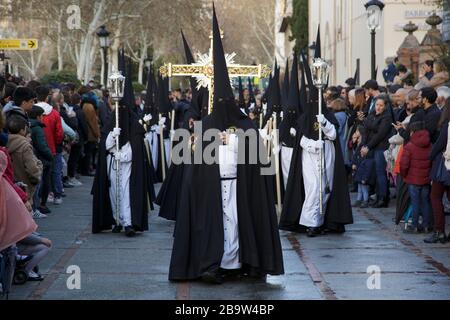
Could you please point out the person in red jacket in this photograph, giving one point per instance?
(415, 167)
(54, 135)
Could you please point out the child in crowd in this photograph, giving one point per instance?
(27, 167)
(363, 168)
(415, 167)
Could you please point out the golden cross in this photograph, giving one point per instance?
(206, 69)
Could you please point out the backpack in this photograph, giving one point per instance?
(447, 152)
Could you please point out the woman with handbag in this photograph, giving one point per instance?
(440, 177)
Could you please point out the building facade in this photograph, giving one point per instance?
(345, 37)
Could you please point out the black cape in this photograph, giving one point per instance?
(171, 190)
(338, 212)
(198, 244)
(142, 192)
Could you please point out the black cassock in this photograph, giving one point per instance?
(199, 236)
(338, 212)
(142, 191)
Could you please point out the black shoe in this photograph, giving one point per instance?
(44, 210)
(130, 232)
(364, 205)
(314, 232)
(411, 230)
(381, 204)
(435, 238)
(426, 230)
(67, 185)
(356, 204)
(117, 229)
(212, 277)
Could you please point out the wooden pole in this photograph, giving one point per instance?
(163, 160)
(277, 166)
(117, 168)
(172, 128)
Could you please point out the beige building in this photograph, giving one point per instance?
(346, 38)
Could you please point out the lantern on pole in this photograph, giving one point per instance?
(320, 71)
(116, 85)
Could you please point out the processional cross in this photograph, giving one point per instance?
(203, 70)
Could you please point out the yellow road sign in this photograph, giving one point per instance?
(19, 44)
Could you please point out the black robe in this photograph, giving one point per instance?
(338, 212)
(199, 236)
(141, 185)
(170, 193)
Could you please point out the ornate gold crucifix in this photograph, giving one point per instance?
(203, 70)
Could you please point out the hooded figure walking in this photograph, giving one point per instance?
(301, 207)
(227, 222)
(136, 186)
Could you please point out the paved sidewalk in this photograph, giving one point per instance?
(329, 267)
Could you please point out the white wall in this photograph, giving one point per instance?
(345, 36)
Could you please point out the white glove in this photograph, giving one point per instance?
(162, 121)
(281, 114)
(321, 118)
(293, 132)
(116, 132)
(172, 134)
(276, 149)
(319, 144)
(147, 117)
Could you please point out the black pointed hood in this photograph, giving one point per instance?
(285, 87)
(313, 94)
(196, 96)
(293, 102)
(273, 95)
(121, 61)
(225, 112)
(164, 105)
(222, 86)
(128, 93)
(150, 97)
(303, 91)
(318, 52)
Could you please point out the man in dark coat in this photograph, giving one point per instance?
(225, 223)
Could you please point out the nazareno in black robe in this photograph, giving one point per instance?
(199, 236)
(338, 212)
(142, 192)
(172, 188)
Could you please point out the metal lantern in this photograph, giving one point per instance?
(320, 70)
(374, 10)
(116, 85)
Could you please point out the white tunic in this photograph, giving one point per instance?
(153, 140)
(286, 157)
(228, 158)
(125, 174)
(310, 216)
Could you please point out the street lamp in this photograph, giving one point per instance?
(103, 36)
(374, 9)
(320, 71)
